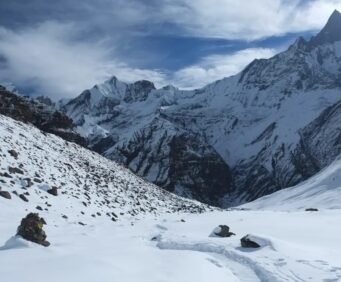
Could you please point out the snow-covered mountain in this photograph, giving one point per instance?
(232, 141)
(322, 191)
(44, 173)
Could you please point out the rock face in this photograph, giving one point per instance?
(269, 127)
(31, 229)
(42, 115)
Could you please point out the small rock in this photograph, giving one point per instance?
(15, 170)
(53, 191)
(5, 195)
(37, 180)
(81, 223)
(13, 153)
(222, 231)
(39, 208)
(312, 209)
(246, 242)
(23, 197)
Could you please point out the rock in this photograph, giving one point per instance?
(37, 180)
(31, 229)
(246, 242)
(13, 153)
(15, 170)
(23, 197)
(5, 195)
(222, 231)
(39, 208)
(53, 191)
(312, 209)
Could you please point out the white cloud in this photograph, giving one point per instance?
(216, 67)
(245, 19)
(50, 60)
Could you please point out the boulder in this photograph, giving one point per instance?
(247, 242)
(222, 231)
(31, 229)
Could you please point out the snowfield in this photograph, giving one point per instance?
(299, 246)
(108, 225)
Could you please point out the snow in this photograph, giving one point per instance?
(169, 240)
(322, 191)
(295, 249)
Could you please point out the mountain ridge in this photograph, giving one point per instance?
(252, 121)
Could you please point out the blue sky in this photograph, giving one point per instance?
(59, 48)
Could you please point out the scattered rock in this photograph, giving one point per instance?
(13, 153)
(37, 180)
(39, 208)
(31, 229)
(5, 195)
(81, 223)
(246, 242)
(23, 197)
(222, 231)
(53, 191)
(15, 170)
(312, 209)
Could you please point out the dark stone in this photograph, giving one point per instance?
(31, 229)
(81, 223)
(39, 208)
(37, 180)
(13, 153)
(53, 191)
(246, 242)
(15, 170)
(5, 195)
(224, 231)
(312, 209)
(23, 197)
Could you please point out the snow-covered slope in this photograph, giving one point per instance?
(88, 185)
(322, 191)
(248, 126)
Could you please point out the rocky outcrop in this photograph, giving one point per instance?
(43, 116)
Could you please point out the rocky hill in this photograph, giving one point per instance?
(44, 173)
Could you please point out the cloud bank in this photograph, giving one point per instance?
(68, 46)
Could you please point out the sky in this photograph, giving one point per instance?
(60, 48)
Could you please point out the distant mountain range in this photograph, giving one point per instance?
(269, 127)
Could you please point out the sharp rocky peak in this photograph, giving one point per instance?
(330, 33)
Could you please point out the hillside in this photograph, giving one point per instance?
(41, 172)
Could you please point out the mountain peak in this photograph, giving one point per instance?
(330, 33)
